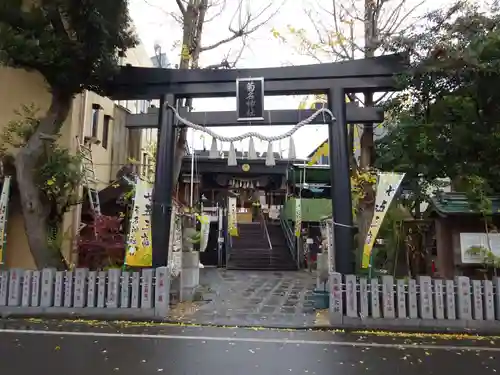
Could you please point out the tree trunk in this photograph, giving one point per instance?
(193, 20)
(366, 205)
(35, 210)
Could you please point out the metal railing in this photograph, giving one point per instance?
(289, 236)
(266, 231)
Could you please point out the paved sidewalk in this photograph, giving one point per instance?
(252, 298)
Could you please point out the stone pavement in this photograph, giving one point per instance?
(251, 298)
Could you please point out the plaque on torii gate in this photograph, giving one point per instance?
(250, 99)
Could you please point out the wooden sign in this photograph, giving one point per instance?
(250, 99)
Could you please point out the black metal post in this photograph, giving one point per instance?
(162, 193)
(340, 182)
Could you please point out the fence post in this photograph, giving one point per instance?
(59, 289)
(426, 310)
(496, 283)
(4, 287)
(15, 277)
(401, 296)
(489, 303)
(162, 291)
(477, 310)
(363, 297)
(136, 280)
(412, 299)
(114, 279)
(388, 297)
(48, 276)
(336, 309)
(147, 289)
(451, 307)
(80, 287)
(26, 288)
(375, 298)
(439, 299)
(91, 289)
(102, 277)
(464, 298)
(69, 280)
(35, 288)
(125, 290)
(351, 298)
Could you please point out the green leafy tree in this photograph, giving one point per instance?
(447, 124)
(75, 45)
(347, 30)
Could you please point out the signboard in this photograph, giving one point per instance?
(250, 99)
(139, 245)
(231, 217)
(387, 187)
(468, 240)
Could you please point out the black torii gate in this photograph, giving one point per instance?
(333, 79)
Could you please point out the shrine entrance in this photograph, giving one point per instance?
(249, 86)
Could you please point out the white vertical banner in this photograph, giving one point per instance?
(205, 231)
(232, 217)
(175, 246)
(387, 187)
(298, 217)
(4, 203)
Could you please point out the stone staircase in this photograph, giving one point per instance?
(250, 250)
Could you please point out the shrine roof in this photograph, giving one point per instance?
(446, 204)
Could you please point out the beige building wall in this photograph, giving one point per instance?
(19, 87)
(139, 57)
(116, 144)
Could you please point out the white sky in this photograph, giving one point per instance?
(154, 25)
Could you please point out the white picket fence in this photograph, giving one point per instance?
(424, 301)
(88, 293)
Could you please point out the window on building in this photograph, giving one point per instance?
(105, 131)
(96, 108)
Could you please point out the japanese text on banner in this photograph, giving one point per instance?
(387, 187)
(139, 244)
(232, 217)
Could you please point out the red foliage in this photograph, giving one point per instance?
(101, 243)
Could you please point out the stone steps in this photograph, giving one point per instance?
(250, 250)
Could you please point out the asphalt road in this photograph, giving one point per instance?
(38, 347)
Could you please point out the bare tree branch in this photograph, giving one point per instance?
(404, 18)
(181, 6)
(178, 19)
(222, 7)
(244, 25)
